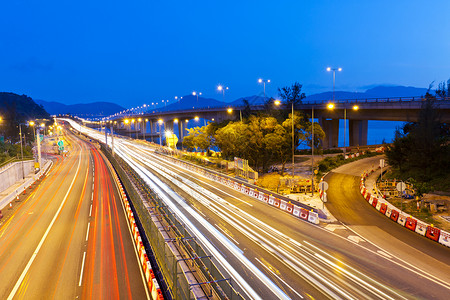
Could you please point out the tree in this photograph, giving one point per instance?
(291, 95)
(278, 143)
(421, 150)
(197, 139)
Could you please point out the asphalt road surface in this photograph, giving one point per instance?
(270, 254)
(69, 238)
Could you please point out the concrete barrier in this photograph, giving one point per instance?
(6, 200)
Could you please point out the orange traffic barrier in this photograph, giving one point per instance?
(394, 215)
(383, 208)
(374, 202)
(289, 207)
(432, 233)
(276, 202)
(304, 214)
(411, 223)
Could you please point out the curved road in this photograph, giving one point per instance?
(270, 254)
(69, 237)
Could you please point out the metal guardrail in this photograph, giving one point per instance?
(212, 281)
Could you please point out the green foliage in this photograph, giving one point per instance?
(330, 163)
(262, 139)
(422, 150)
(16, 109)
(197, 139)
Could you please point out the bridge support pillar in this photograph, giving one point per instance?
(143, 128)
(358, 132)
(331, 129)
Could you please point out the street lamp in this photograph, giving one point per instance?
(160, 121)
(194, 93)
(264, 81)
(126, 121)
(355, 108)
(334, 76)
(222, 89)
(278, 102)
(31, 123)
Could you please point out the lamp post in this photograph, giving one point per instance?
(334, 76)
(278, 102)
(194, 93)
(355, 108)
(21, 150)
(312, 150)
(264, 81)
(222, 89)
(126, 121)
(145, 128)
(160, 121)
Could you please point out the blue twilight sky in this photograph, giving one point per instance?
(139, 51)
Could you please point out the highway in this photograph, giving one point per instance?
(69, 238)
(273, 255)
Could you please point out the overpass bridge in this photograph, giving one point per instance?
(147, 124)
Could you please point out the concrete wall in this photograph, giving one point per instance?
(13, 173)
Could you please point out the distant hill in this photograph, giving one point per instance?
(190, 102)
(15, 109)
(375, 92)
(86, 110)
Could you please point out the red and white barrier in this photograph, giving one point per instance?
(444, 238)
(432, 233)
(401, 218)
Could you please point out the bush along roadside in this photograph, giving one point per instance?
(330, 163)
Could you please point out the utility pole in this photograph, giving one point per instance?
(21, 150)
(39, 148)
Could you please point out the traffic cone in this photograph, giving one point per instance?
(10, 204)
(17, 198)
(24, 191)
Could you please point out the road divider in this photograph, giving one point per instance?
(250, 190)
(398, 216)
(152, 283)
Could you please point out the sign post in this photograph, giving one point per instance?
(323, 186)
(401, 186)
(381, 168)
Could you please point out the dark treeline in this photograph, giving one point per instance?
(421, 150)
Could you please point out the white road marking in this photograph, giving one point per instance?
(90, 210)
(229, 236)
(82, 268)
(274, 274)
(333, 227)
(35, 253)
(355, 238)
(87, 232)
(384, 253)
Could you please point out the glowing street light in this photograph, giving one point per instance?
(194, 93)
(278, 102)
(334, 76)
(264, 81)
(230, 111)
(355, 108)
(222, 89)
